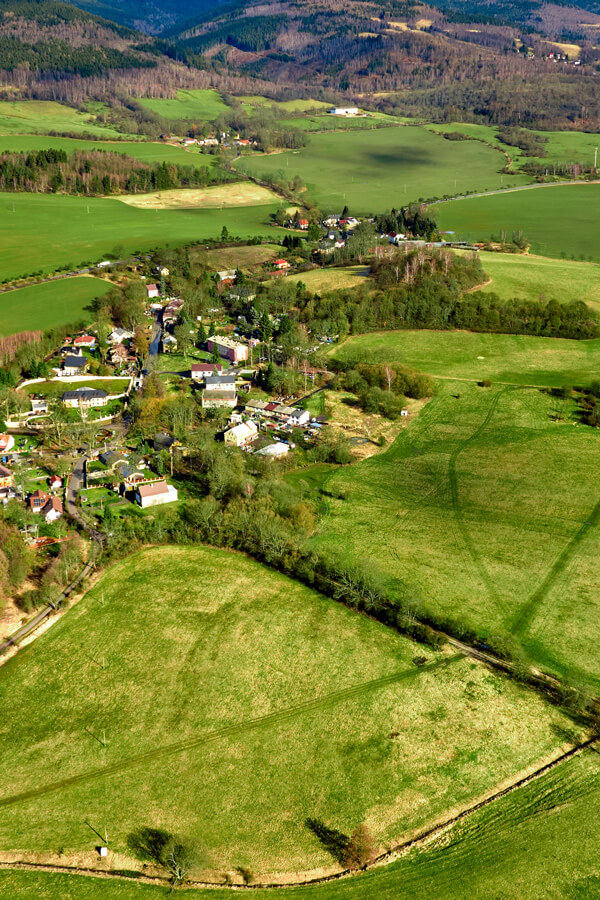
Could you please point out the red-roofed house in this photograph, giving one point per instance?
(281, 264)
(200, 370)
(52, 510)
(85, 340)
(155, 493)
(303, 224)
(7, 442)
(38, 500)
(152, 291)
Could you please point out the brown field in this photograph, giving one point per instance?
(220, 195)
(238, 257)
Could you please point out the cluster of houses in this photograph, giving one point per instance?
(147, 488)
(260, 417)
(46, 504)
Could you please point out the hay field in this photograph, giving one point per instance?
(243, 193)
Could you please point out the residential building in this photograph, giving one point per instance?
(152, 290)
(219, 382)
(111, 458)
(292, 415)
(274, 450)
(241, 434)
(85, 398)
(258, 406)
(200, 370)
(281, 264)
(6, 477)
(228, 349)
(37, 500)
(227, 274)
(118, 354)
(155, 494)
(74, 365)
(55, 482)
(84, 342)
(7, 442)
(119, 335)
(169, 343)
(218, 399)
(39, 405)
(303, 224)
(52, 509)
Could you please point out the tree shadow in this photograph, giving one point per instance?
(149, 843)
(335, 842)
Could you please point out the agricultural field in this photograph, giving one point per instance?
(195, 105)
(465, 355)
(371, 171)
(242, 193)
(557, 220)
(293, 107)
(75, 231)
(45, 306)
(325, 122)
(531, 277)
(487, 510)
(42, 116)
(332, 279)
(262, 697)
(237, 257)
(145, 151)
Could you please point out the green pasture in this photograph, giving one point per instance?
(75, 231)
(110, 385)
(374, 170)
(465, 355)
(41, 116)
(44, 306)
(325, 122)
(559, 221)
(292, 107)
(539, 842)
(484, 511)
(145, 151)
(541, 278)
(196, 105)
(231, 704)
(332, 279)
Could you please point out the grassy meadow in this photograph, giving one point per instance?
(44, 306)
(332, 279)
(110, 385)
(558, 221)
(298, 693)
(540, 842)
(240, 193)
(74, 231)
(487, 510)
(42, 116)
(541, 278)
(195, 105)
(374, 170)
(466, 355)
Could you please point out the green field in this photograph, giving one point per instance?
(325, 122)
(74, 231)
(375, 170)
(485, 511)
(540, 843)
(44, 306)
(506, 358)
(557, 221)
(236, 651)
(146, 151)
(197, 106)
(332, 279)
(41, 116)
(110, 385)
(541, 278)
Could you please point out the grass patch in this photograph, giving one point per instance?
(111, 386)
(507, 358)
(237, 257)
(48, 305)
(41, 116)
(560, 221)
(371, 171)
(72, 231)
(332, 279)
(243, 193)
(196, 105)
(226, 641)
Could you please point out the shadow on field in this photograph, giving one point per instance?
(335, 842)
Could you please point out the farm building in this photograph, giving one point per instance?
(303, 224)
(200, 370)
(7, 442)
(242, 434)
(344, 111)
(228, 349)
(6, 477)
(74, 365)
(155, 494)
(152, 291)
(84, 398)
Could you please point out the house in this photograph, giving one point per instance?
(85, 398)
(6, 477)
(39, 405)
(74, 365)
(84, 342)
(281, 264)
(303, 224)
(292, 415)
(241, 434)
(275, 450)
(155, 493)
(152, 290)
(118, 354)
(344, 111)
(228, 349)
(200, 370)
(218, 399)
(111, 458)
(52, 509)
(257, 406)
(219, 382)
(55, 482)
(163, 441)
(227, 275)
(171, 311)
(37, 500)
(130, 476)
(7, 442)
(169, 343)
(119, 335)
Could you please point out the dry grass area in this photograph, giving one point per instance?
(243, 193)
(238, 257)
(333, 279)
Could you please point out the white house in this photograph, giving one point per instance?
(199, 371)
(219, 382)
(119, 335)
(85, 398)
(292, 415)
(241, 434)
(152, 291)
(344, 111)
(52, 510)
(74, 365)
(155, 494)
(39, 405)
(273, 451)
